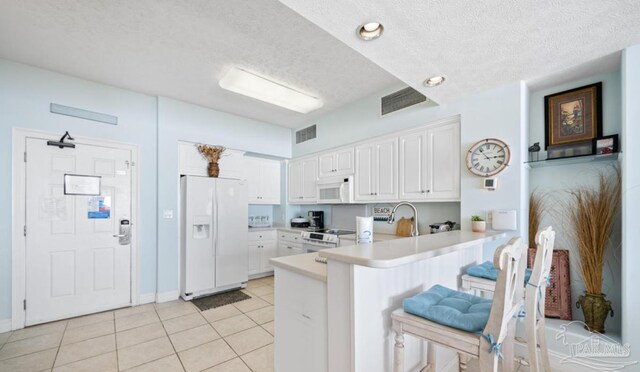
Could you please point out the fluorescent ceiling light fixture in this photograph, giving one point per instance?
(434, 81)
(254, 86)
(370, 31)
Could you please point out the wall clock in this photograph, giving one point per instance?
(488, 157)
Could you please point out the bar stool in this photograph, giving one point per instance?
(534, 294)
(472, 326)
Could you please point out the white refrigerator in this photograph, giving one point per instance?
(214, 251)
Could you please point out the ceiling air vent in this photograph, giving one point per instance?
(306, 134)
(400, 100)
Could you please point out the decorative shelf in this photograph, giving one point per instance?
(572, 160)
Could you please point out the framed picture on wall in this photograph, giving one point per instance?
(605, 145)
(574, 115)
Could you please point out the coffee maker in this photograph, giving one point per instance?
(316, 219)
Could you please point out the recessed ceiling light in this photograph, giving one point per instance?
(370, 31)
(258, 87)
(434, 81)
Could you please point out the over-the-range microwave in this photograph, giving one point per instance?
(335, 190)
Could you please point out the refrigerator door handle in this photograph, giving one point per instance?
(215, 209)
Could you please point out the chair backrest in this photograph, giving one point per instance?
(535, 292)
(506, 300)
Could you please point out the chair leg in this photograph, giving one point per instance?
(463, 359)
(398, 353)
(431, 358)
(542, 340)
(508, 348)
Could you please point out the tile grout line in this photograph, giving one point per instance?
(171, 342)
(55, 359)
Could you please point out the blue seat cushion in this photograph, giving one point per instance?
(486, 270)
(451, 308)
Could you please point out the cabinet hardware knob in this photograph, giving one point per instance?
(428, 190)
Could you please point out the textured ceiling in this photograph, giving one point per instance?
(180, 49)
(479, 45)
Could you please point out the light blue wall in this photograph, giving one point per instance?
(25, 95)
(631, 198)
(182, 121)
(497, 113)
(556, 180)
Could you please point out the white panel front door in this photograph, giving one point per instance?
(74, 264)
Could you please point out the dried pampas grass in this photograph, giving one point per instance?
(591, 213)
(211, 153)
(537, 206)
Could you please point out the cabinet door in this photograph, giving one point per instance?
(386, 169)
(295, 182)
(444, 162)
(413, 166)
(253, 180)
(254, 258)
(326, 165)
(364, 178)
(344, 164)
(309, 179)
(270, 174)
(268, 251)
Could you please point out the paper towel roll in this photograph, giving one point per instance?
(364, 230)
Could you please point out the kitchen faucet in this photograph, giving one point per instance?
(392, 217)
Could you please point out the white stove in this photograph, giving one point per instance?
(313, 241)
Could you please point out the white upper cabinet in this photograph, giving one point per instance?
(419, 165)
(303, 175)
(263, 181)
(430, 163)
(336, 163)
(413, 170)
(191, 163)
(443, 144)
(376, 173)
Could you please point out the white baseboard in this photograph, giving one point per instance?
(5, 325)
(146, 298)
(167, 296)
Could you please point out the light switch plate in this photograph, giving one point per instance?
(167, 213)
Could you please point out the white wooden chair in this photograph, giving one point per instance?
(534, 298)
(494, 347)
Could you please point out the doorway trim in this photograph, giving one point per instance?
(18, 220)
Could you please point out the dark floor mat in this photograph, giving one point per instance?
(220, 299)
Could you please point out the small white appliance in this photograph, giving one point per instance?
(503, 219)
(214, 248)
(313, 241)
(335, 190)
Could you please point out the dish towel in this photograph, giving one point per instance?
(364, 230)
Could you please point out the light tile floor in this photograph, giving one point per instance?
(172, 336)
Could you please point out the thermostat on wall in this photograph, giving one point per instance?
(490, 183)
(504, 219)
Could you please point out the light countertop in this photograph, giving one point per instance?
(377, 237)
(304, 264)
(397, 252)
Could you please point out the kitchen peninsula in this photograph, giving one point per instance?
(346, 311)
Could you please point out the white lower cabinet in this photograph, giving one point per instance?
(263, 246)
(289, 243)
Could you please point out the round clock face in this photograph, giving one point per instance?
(488, 157)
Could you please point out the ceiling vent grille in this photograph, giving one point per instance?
(306, 134)
(400, 100)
